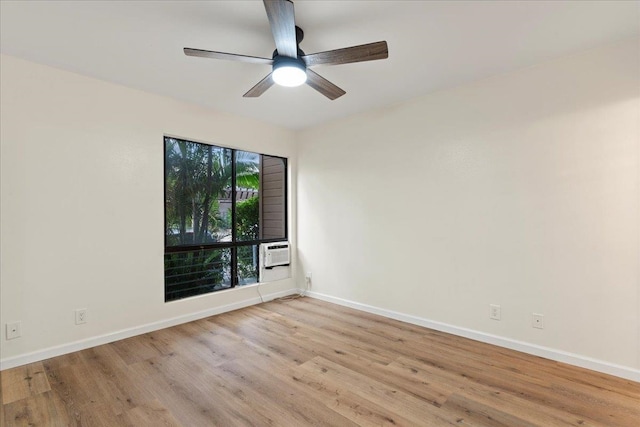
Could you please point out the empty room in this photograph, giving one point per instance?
(335, 213)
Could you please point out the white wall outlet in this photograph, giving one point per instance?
(494, 312)
(307, 278)
(537, 321)
(14, 330)
(81, 316)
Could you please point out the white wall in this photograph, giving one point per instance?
(82, 206)
(519, 190)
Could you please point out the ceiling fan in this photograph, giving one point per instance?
(290, 65)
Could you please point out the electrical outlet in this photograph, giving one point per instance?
(494, 312)
(14, 330)
(307, 278)
(537, 321)
(81, 316)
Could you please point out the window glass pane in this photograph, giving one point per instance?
(196, 272)
(273, 208)
(247, 264)
(247, 196)
(197, 191)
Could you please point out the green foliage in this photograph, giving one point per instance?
(247, 170)
(247, 218)
(248, 179)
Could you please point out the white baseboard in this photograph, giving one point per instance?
(36, 356)
(536, 350)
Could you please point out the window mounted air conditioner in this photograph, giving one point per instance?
(276, 254)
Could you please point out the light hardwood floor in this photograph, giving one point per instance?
(306, 362)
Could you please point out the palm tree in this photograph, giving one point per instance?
(196, 175)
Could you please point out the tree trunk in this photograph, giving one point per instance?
(181, 200)
(207, 198)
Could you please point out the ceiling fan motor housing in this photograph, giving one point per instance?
(285, 61)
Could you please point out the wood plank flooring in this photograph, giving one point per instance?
(307, 362)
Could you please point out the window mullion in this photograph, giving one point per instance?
(234, 249)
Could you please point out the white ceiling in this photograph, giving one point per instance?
(432, 45)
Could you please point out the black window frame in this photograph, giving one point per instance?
(234, 244)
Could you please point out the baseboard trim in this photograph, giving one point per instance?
(533, 349)
(36, 356)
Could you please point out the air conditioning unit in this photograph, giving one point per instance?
(276, 254)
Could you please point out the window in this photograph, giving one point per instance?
(220, 204)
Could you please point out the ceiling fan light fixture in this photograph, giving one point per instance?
(289, 72)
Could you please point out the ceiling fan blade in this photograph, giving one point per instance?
(229, 56)
(363, 52)
(283, 26)
(323, 85)
(260, 88)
